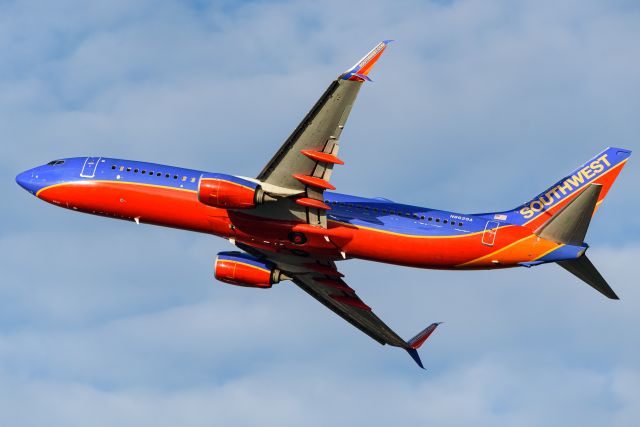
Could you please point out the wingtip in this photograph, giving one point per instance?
(414, 343)
(361, 69)
(423, 335)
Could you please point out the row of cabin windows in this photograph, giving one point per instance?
(151, 173)
(393, 212)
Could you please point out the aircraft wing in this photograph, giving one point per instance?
(304, 163)
(322, 280)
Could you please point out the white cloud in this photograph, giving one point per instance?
(481, 103)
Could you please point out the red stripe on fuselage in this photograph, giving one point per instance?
(180, 208)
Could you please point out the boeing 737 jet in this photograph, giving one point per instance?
(289, 224)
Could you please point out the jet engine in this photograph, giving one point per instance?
(230, 192)
(240, 269)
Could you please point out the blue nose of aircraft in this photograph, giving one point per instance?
(29, 181)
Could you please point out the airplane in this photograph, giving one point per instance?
(289, 224)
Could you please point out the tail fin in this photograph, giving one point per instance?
(569, 226)
(603, 169)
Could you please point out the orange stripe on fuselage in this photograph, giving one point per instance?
(88, 182)
(460, 251)
(527, 249)
(180, 208)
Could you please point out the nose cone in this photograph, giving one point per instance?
(29, 181)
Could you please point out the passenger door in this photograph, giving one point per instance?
(89, 167)
(490, 231)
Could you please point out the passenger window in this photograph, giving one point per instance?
(135, 170)
(445, 221)
(437, 219)
(113, 167)
(422, 217)
(121, 168)
(159, 174)
(128, 169)
(460, 224)
(143, 172)
(193, 179)
(175, 176)
(184, 178)
(430, 219)
(167, 176)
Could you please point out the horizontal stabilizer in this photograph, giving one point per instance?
(570, 224)
(584, 270)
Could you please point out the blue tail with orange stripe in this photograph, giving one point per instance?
(603, 169)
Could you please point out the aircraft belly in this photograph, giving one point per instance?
(513, 245)
(165, 206)
(180, 208)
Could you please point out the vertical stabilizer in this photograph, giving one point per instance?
(602, 169)
(570, 224)
(569, 227)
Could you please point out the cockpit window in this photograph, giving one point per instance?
(55, 162)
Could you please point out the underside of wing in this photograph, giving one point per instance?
(322, 280)
(336, 295)
(304, 163)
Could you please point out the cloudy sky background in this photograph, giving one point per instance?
(478, 106)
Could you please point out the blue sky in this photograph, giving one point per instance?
(478, 106)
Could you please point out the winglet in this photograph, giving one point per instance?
(360, 71)
(414, 354)
(415, 342)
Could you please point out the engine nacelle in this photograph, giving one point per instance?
(240, 269)
(230, 192)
